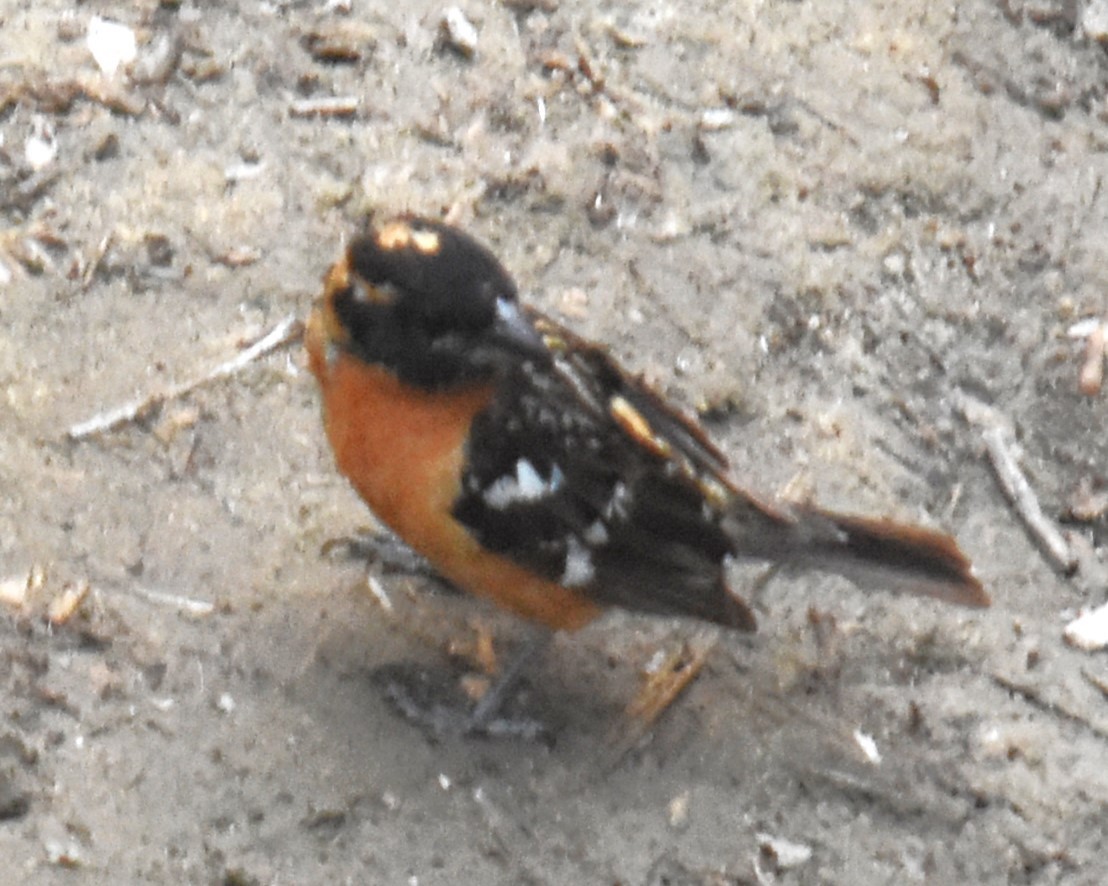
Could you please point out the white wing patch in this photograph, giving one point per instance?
(579, 566)
(619, 504)
(596, 534)
(527, 485)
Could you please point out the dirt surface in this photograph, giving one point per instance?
(820, 224)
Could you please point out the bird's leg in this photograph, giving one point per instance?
(384, 550)
(486, 713)
(421, 699)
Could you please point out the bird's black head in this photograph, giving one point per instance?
(428, 303)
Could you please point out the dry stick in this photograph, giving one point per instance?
(998, 437)
(337, 106)
(1022, 497)
(188, 605)
(288, 330)
(1091, 376)
(682, 665)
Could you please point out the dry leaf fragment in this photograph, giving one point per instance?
(63, 607)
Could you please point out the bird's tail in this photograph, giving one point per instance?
(873, 553)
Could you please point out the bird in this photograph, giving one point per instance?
(531, 469)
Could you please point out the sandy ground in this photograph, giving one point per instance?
(823, 225)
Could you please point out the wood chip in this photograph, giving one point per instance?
(1087, 503)
(238, 257)
(187, 605)
(785, 854)
(1091, 377)
(378, 592)
(456, 32)
(1089, 631)
(868, 746)
(331, 106)
(63, 607)
(13, 591)
(342, 42)
(112, 45)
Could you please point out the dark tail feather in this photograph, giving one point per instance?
(877, 553)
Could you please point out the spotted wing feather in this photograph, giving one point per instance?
(554, 483)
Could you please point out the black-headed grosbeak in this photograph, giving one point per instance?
(529, 468)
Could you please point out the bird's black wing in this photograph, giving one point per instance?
(581, 473)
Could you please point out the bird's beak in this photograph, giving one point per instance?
(514, 328)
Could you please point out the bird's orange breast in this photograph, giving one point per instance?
(404, 451)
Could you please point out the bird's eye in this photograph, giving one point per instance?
(373, 293)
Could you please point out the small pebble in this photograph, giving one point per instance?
(458, 33)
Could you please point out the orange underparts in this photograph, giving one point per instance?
(404, 450)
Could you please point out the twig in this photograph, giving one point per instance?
(1098, 682)
(379, 593)
(1062, 709)
(288, 330)
(63, 607)
(337, 106)
(1022, 497)
(96, 260)
(187, 605)
(665, 682)
(1000, 446)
